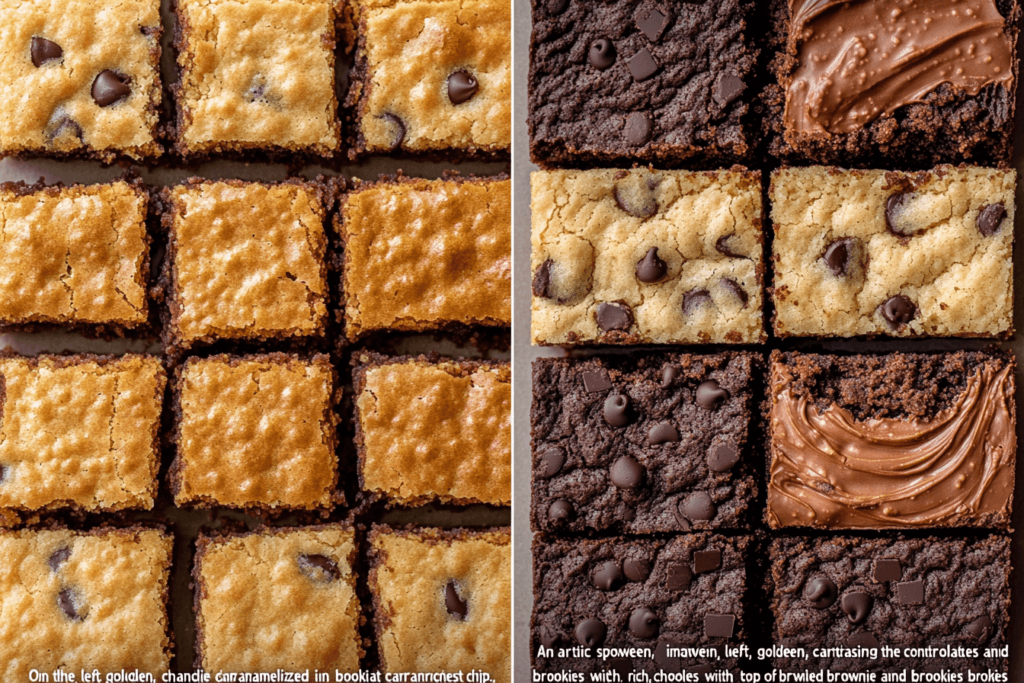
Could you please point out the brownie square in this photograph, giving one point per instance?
(434, 429)
(898, 440)
(80, 78)
(84, 600)
(442, 600)
(255, 432)
(433, 76)
(654, 443)
(256, 76)
(627, 81)
(231, 281)
(278, 599)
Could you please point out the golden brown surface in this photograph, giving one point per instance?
(119, 583)
(82, 434)
(259, 611)
(420, 254)
(437, 430)
(256, 432)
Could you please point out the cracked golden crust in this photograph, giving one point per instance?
(960, 280)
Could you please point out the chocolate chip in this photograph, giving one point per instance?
(59, 557)
(727, 88)
(4, 470)
(663, 432)
(110, 87)
(595, 381)
(608, 576)
(638, 128)
(678, 576)
(635, 198)
(910, 592)
(542, 280)
(63, 125)
(981, 629)
(591, 633)
(668, 374)
(399, 127)
(706, 561)
(602, 54)
(642, 65)
(650, 268)
(722, 245)
(698, 506)
(710, 396)
(550, 461)
(617, 412)
(898, 311)
(636, 569)
(319, 568)
(560, 512)
(723, 457)
(863, 639)
(626, 473)
(990, 217)
(887, 570)
(44, 51)
(821, 592)
(652, 22)
(838, 256)
(556, 7)
(455, 605)
(719, 625)
(856, 606)
(462, 86)
(695, 299)
(68, 601)
(643, 623)
(893, 208)
(612, 316)
(736, 290)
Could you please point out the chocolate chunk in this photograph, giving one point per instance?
(642, 65)
(608, 576)
(455, 605)
(719, 625)
(617, 412)
(698, 506)
(668, 374)
(838, 256)
(856, 606)
(893, 209)
(723, 457)
(643, 623)
(710, 396)
(727, 88)
(542, 280)
(319, 568)
(110, 87)
(737, 291)
(635, 198)
(898, 311)
(678, 577)
(695, 299)
(989, 218)
(887, 570)
(910, 592)
(59, 557)
(821, 592)
(706, 561)
(399, 127)
(626, 473)
(550, 461)
(68, 601)
(462, 86)
(560, 512)
(636, 569)
(652, 22)
(611, 316)
(663, 432)
(981, 629)
(595, 381)
(722, 245)
(44, 51)
(650, 268)
(591, 633)
(863, 639)
(602, 54)
(556, 7)
(638, 128)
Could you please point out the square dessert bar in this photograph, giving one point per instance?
(640, 595)
(79, 432)
(627, 80)
(426, 254)
(255, 432)
(892, 441)
(74, 256)
(246, 260)
(80, 77)
(642, 256)
(443, 600)
(860, 84)
(656, 443)
(434, 429)
(256, 76)
(861, 253)
(845, 592)
(80, 601)
(278, 598)
(433, 75)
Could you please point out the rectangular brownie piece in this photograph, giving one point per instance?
(242, 627)
(689, 591)
(905, 254)
(84, 600)
(425, 255)
(655, 443)
(643, 256)
(433, 429)
(848, 593)
(625, 81)
(892, 441)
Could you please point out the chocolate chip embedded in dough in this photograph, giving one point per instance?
(462, 86)
(319, 568)
(453, 603)
(109, 88)
(602, 54)
(44, 51)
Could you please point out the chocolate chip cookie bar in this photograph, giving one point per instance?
(642, 256)
(656, 443)
(921, 595)
(433, 76)
(434, 429)
(75, 257)
(80, 78)
(256, 76)
(255, 432)
(229, 279)
(892, 441)
(426, 255)
(84, 601)
(872, 84)
(864, 253)
(278, 599)
(645, 596)
(443, 600)
(626, 81)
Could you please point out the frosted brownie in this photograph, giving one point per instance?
(442, 600)
(630, 257)
(256, 75)
(656, 443)
(231, 279)
(255, 432)
(426, 254)
(890, 253)
(79, 432)
(433, 75)
(892, 441)
(79, 601)
(74, 256)
(80, 78)
(865, 593)
(639, 595)
(278, 599)
(434, 429)
(861, 84)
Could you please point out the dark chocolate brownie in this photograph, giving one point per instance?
(844, 592)
(637, 445)
(662, 82)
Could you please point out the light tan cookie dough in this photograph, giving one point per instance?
(418, 59)
(890, 253)
(278, 599)
(596, 278)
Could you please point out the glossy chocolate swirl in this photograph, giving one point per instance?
(830, 470)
